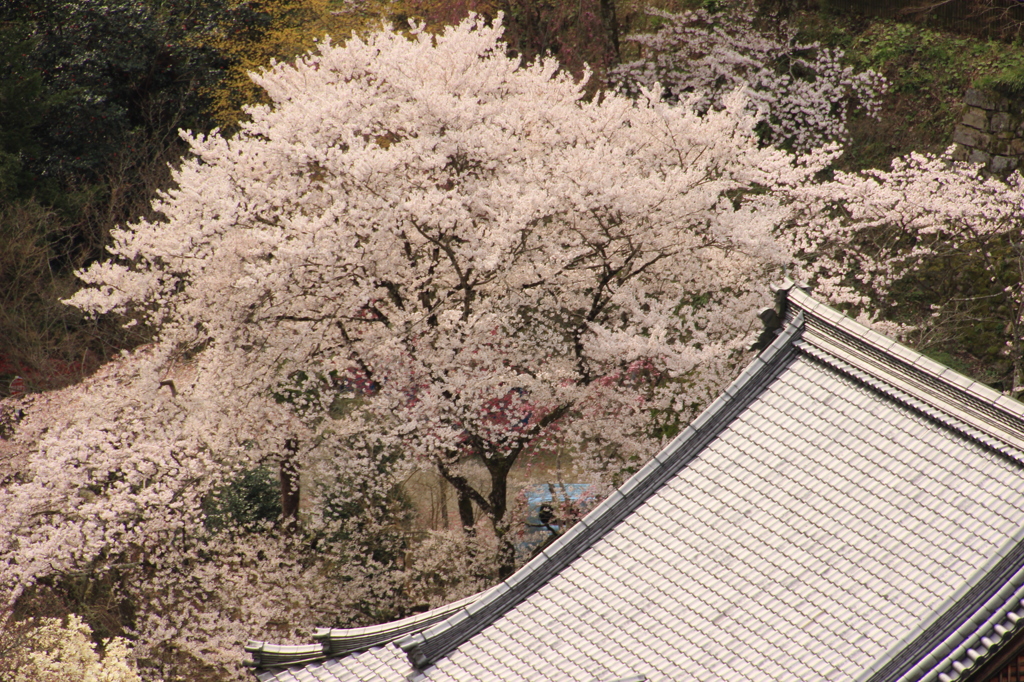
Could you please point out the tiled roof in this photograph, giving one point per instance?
(847, 510)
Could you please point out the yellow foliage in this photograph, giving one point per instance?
(290, 28)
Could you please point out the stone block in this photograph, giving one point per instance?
(983, 99)
(959, 152)
(969, 137)
(1003, 164)
(1001, 122)
(978, 156)
(1016, 147)
(976, 118)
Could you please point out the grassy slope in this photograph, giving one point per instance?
(928, 70)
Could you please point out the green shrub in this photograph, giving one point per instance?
(251, 501)
(1008, 82)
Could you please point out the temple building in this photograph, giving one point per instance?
(847, 510)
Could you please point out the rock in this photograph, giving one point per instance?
(984, 99)
(978, 156)
(977, 118)
(970, 137)
(1003, 164)
(1000, 122)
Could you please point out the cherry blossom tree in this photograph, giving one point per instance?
(496, 256)
(122, 479)
(872, 235)
(802, 92)
(421, 253)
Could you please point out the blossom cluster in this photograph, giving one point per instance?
(865, 233)
(802, 93)
(50, 650)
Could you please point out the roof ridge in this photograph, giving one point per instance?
(343, 641)
(427, 647)
(944, 419)
(960, 397)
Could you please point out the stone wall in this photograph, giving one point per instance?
(991, 132)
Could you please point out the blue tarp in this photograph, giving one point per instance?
(549, 506)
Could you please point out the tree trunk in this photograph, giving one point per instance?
(611, 26)
(506, 557)
(290, 491)
(499, 468)
(443, 487)
(494, 505)
(466, 512)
